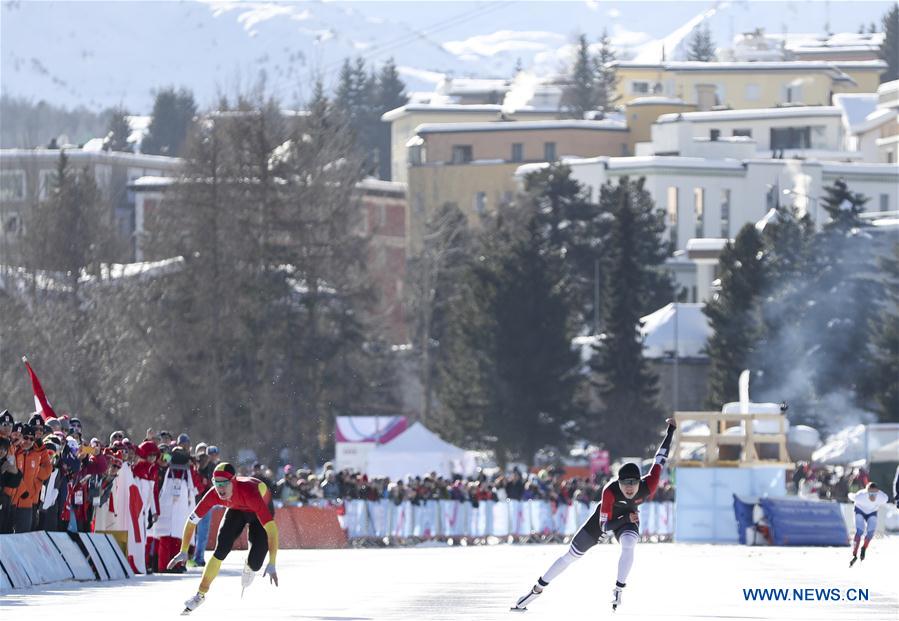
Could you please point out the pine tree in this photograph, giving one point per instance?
(885, 341)
(701, 46)
(118, 131)
(580, 94)
(844, 293)
(606, 75)
(790, 265)
(733, 315)
(889, 49)
(391, 94)
(570, 223)
(172, 118)
(516, 332)
(433, 286)
(627, 388)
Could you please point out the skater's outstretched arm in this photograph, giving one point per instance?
(661, 457)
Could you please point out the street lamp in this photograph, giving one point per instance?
(814, 200)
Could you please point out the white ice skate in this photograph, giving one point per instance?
(522, 604)
(616, 598)
(246, 578)
(193, 603)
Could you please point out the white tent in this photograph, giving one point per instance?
(418, 451)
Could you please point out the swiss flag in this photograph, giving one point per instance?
(40, 399)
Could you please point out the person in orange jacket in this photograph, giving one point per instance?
(34, 464)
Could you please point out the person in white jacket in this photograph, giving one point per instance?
(867, 502)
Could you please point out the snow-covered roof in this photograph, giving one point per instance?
(875, 120)
(379, 185)
(786, 112)
(105, 157)
(859, 168)
(787, 65)
(706, 244)
(658, 332)
(493, 126)
(855, 107)
(152, 182)
(657, 100)
(462, 86)
(453, 108)
(692, 326)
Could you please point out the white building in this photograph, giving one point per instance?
(26, 177)
(708, 200)
(790, 132)
(871, 123)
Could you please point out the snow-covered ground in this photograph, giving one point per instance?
(669, 581)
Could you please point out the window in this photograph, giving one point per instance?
(793, 93)
(725, 213)
(884, 202)
(480, 203)
(791, 138)
(746, 133)
(640, 88)
(714, 134)
(699, 210)
(415, 158)
(889, 157)
(549, 151)
(45, 180)
(461, 154)
(12, 185)
(671, 211)
(12, 224)
(517, 152)
(753, 92)
(772, 197)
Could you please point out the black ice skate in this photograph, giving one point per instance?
(522, 604)
(861, 556)
(852, 562)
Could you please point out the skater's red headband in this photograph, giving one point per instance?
(222, 475)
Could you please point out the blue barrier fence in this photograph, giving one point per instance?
(449, 518)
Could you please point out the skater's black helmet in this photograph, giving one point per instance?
(630, 470)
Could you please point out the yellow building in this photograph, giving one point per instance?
(741, 85)
(472, 165)
(405, 119)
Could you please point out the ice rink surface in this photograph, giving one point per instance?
(669, 581)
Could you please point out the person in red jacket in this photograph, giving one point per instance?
(616, 514)
(248, 503)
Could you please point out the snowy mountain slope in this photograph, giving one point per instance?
(116, 52)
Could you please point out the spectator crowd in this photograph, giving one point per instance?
(55, 476)
(827, 482)
(302, 486)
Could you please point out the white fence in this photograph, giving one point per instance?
(450, 518)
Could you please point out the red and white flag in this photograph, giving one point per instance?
(41, 404)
